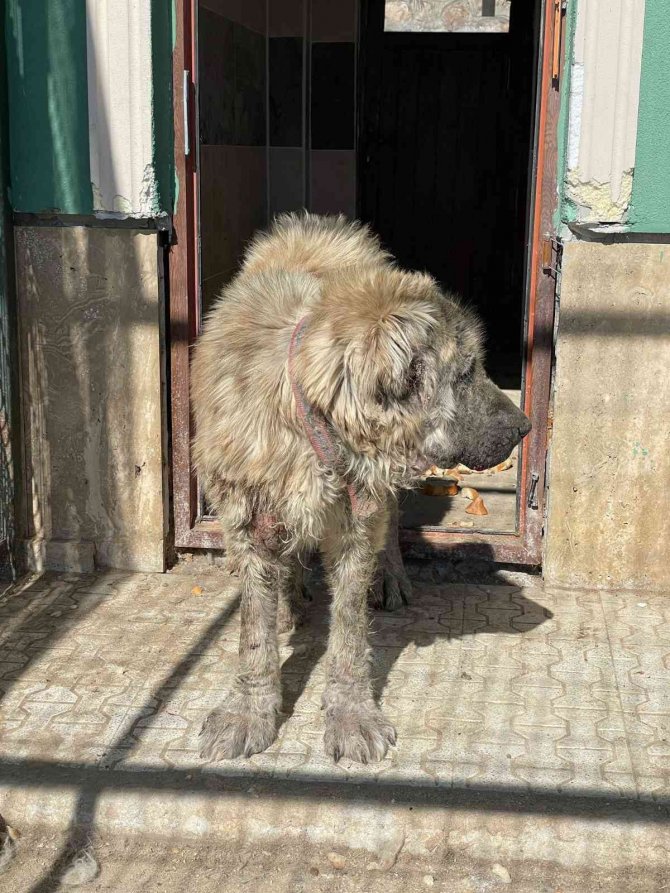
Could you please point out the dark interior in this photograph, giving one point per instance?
(443, 162)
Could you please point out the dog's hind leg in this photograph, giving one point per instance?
(355, 726)
(391, 587)
(246, 722)
(292, 599)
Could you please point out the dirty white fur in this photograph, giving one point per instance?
(385, 357)
(82, 870)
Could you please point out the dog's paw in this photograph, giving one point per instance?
(234, 730)
(391, 587)
(358, 732)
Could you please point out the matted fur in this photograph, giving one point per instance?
(395, 366)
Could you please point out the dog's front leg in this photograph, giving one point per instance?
(246, 722)
(355, 726)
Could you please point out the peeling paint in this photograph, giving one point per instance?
(130, 106)
(565, 212)
(599, 119)
(596, 201)
(149, 197)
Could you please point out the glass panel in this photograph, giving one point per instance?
(455, 16)
(232, 130)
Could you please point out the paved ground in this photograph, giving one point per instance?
(533, 754)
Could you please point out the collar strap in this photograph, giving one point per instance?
(320, 433)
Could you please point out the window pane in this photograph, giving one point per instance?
(489, 16)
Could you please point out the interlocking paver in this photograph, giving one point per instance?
(499, 684)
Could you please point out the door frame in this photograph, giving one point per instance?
(521, 547)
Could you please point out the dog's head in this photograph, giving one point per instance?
(398, 367)
(470, 419)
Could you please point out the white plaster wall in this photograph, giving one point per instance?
(120, 106)
(604, 96)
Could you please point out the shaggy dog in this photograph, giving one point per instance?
(326, 379)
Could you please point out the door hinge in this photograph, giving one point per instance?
(187, 110)
(559, 10)
(552, 250)
(532, 502)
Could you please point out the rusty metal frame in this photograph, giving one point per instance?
(522, 547)
(183, 280)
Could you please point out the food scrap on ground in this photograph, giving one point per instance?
(477, 507)
(502, 466)
(446, 489)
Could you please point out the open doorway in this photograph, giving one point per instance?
(434, 121)
(446, 95)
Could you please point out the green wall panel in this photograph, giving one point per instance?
(48, 108)
(162, 45)
(7, 341)
(651, 183)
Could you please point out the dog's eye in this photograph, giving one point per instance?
(405, 388)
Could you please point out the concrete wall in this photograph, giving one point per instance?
(90, 113)
(609, 468)
(89, 322)
(608, 523)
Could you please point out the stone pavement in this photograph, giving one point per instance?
(533, 731)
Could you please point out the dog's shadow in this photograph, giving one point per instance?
(444, 611)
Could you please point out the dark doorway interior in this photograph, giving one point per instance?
(445, 123)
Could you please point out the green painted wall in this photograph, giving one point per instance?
(651, 183)
(565, 211)
(7, 342)
(48, 105)
(162, 45)
(48, 108)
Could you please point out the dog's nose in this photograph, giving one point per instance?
(524, 427)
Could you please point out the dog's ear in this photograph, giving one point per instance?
(369, 349)
(388, 365)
